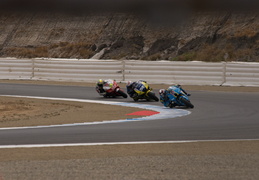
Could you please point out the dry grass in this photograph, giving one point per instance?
(212, 53)
(218, 53)
(189, 56)
(153, 57)
(248, 32)
(23, 52)
(57, 50)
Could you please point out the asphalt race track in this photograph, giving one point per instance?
(216, 116)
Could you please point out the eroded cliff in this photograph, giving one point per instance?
(207, 36)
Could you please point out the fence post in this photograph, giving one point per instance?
(123, 70)
(32, 68)
(224, 64)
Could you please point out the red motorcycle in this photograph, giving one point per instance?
(110, 88)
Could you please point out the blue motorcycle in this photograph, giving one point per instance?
(176, 96)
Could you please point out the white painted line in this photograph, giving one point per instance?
(164, 113)
(119, 143)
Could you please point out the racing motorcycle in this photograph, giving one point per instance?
(178, 97)
(143, 91)
(112, 89)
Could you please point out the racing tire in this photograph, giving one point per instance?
(187, 103)
(123, 94)
(135, 99)
(152, 96)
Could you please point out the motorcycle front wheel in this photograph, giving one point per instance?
(123, 94)
(187, 103)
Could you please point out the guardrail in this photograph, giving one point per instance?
(167, 72)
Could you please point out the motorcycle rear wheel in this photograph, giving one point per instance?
(153, 96)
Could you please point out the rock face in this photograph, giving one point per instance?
(203, 36)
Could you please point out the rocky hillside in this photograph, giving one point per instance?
(200, 35)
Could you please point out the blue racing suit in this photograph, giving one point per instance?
(166, 101)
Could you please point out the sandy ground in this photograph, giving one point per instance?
(17, 112)
(203, 160)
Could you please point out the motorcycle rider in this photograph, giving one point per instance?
(165, 100)
(131, 86)
(100, 84)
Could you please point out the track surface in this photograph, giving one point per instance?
(216, 116)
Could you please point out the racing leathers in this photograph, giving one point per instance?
(131, 88)
(100, 87)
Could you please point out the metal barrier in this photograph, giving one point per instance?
(200, 73)
(87, 71)
(242, 74)
(167, 72)
(16, 69)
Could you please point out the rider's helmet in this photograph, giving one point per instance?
(161, 91)
(129, 83)
(100, 83)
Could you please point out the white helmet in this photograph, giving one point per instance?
(161, 91)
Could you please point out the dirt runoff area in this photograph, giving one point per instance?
(200, 160)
